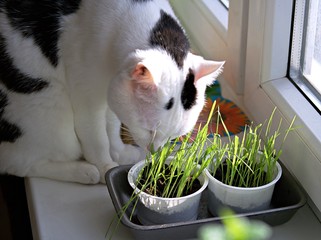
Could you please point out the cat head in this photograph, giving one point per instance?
(156, 99)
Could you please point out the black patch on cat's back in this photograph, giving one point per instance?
(40, 20)
(13, 79)
(189, 91)
(169, 35)
(8, 132)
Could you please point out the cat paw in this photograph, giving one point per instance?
(130, 155)
(88, 174)
(104, 169)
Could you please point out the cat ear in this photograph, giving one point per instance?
(207, 70)
(143, 84)
(141, 73)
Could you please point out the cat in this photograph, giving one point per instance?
(73, 71)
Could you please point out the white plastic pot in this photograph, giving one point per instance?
(153, 210)
(240, 199)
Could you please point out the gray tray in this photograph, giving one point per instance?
(288, 197)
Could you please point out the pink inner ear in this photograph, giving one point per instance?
(141, 73)
(143, 84)
(208, 68)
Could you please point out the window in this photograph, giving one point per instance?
(256, 47)
(305, 65)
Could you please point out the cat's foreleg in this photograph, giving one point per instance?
(91, 131)
(120, 152)
(72, 171)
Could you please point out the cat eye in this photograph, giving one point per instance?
(170, 104)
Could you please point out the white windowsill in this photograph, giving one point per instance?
(70, 211)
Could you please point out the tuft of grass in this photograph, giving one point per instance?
(188, 160)
(250, 160)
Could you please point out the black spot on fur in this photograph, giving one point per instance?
(40, 20)
(8, 132)
(170, 104)
(169, 35)
(189, 91)
(13, 79)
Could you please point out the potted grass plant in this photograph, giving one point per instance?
(168, 188)
(245, 170)
(162, 182)
(167, 185)
(169, 182)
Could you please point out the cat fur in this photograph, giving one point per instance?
(72, 71)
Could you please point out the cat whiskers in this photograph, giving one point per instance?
(125, 135)
(127, 138)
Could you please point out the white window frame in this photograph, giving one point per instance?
(256, 48)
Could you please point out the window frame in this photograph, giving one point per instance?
(298, 53)
(267, 86)
(255, 76)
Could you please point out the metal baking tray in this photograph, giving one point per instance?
(288, 197)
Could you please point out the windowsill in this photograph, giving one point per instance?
(68, 211)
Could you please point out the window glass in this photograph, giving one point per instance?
(305, 66)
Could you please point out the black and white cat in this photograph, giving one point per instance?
(72, 71)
